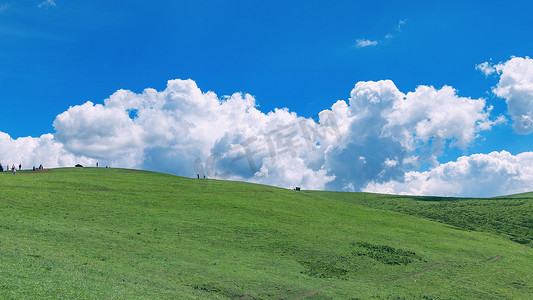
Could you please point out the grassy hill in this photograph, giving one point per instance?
(521, 195)
(114, 233)
(508, 216)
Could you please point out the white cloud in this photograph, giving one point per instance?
(516, 87)
(31, 151)
(172, 129)
(486, 175)
(486, 68)
(372, 142)
(400, 24)
(360, 43)
(46, 4)
(398, 28)
(374, 137)
(437, 115)
(99, 132)
(387, 127)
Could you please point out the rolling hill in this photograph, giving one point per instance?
(116, 233)
(509, 216)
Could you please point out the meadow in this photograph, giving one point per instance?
(78, 233)
(509, 216)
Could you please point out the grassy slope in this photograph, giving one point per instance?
(112, 233)
(521, 195)
(508, 216)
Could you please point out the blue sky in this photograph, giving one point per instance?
(302, 55)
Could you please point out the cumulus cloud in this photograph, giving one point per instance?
(97, 131)
(33, 151)
(372, 139)
(360, 43)
(486, 175)
(391, 132)
(171, 129)
(437, 115)
(516, 87)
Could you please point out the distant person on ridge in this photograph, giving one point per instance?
(20, 167)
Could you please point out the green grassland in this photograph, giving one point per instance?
(116, 234)
(508, 216)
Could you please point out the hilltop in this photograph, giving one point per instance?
(117, 233)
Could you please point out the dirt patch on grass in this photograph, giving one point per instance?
(313, 292)
(424, 271)
(493, 259)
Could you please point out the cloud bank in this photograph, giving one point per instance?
(478, 175)
(387, 132)
(374, 141)
(33, 151)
